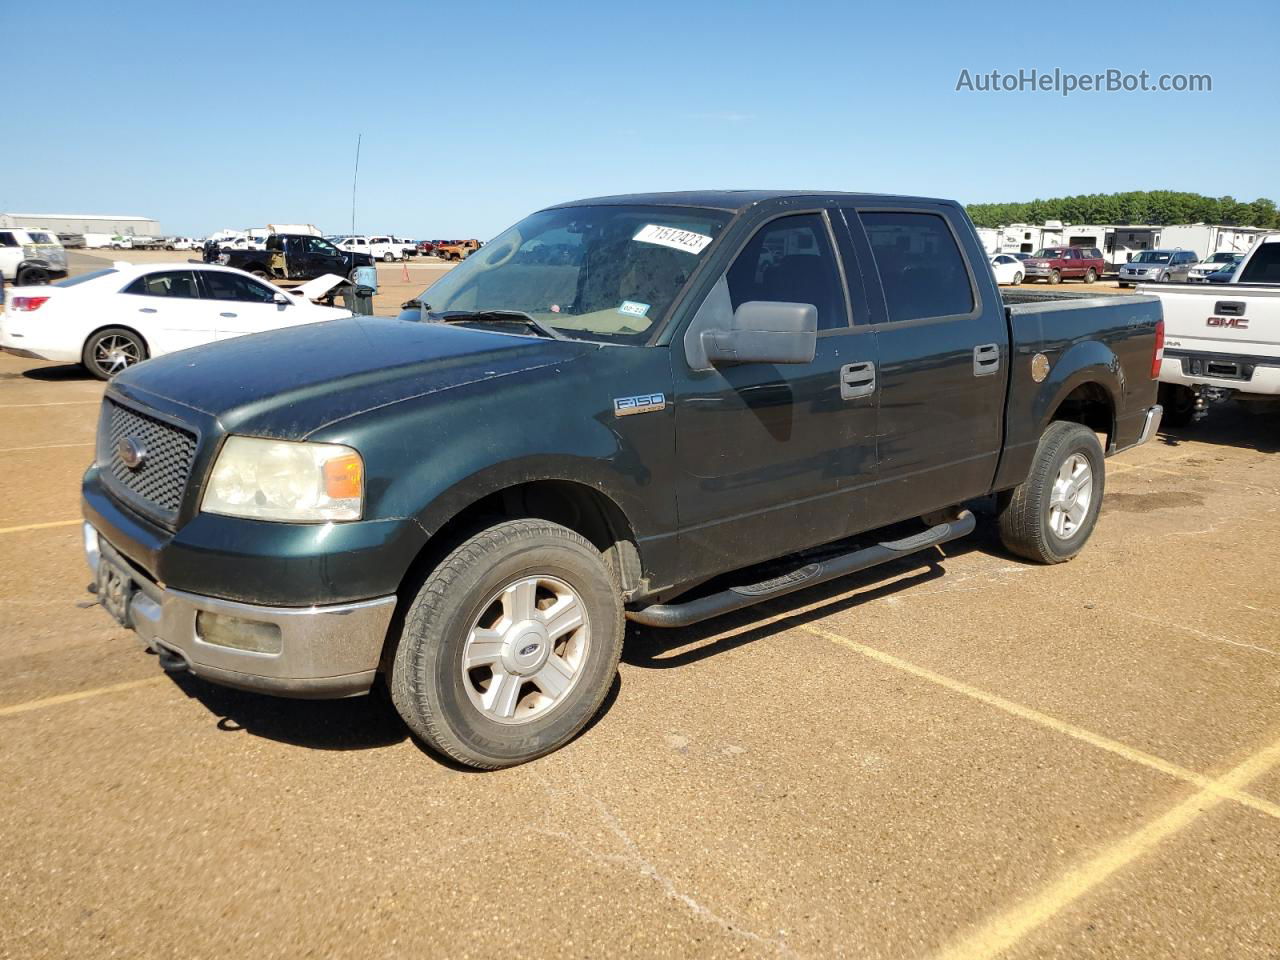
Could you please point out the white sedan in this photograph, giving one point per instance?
(1008, 268)
(113, 318)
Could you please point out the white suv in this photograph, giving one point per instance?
(380, 248)
(31, 257)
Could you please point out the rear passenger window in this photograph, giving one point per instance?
(920, 266)
(171, 283)
(1264, 265)
(790, 259)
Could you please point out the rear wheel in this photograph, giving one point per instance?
(32, 277)
(111, 351)
(510, 645)
(388, 257)
(1055, 276)
(1050, 515)
(1179, 404)
(261, 274)
(1090, 275)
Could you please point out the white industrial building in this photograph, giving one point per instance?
(1119, 242)
(90, 225)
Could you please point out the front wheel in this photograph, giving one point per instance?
(1050, 515)
(510, 645)
(1055, 276)
(1017, 278)
(111, 351)
(32, 277)
(388, 257)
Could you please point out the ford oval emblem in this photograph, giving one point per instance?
(131, 452)
(528, 649)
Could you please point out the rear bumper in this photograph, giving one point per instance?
(1150, 424)
(1246, 374)
(311, 652)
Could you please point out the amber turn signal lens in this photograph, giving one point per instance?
(344, 477)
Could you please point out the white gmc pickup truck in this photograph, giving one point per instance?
(1221, 340)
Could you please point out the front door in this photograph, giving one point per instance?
(243, 305)
(943, 356)
(774, 458)
(321, 257)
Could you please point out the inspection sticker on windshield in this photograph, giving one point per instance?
(630, 308)
(685, 240)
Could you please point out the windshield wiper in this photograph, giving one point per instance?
(499, 316)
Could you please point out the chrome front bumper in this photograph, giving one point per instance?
(323, 652)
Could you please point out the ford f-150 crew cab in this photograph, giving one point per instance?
(1223, 339)
(619, 409)
(291, 256)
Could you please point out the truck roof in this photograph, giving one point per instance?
(734, 200)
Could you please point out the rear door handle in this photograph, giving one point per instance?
(226, 314)
(147, 310)
(986, 359)
(857, 380)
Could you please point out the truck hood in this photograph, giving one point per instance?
(289, 383)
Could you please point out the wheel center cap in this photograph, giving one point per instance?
(526, 648)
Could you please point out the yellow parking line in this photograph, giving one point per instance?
(1008, 928)
(1205, 783)
(46, 446)
(41, 526)
(78, 695)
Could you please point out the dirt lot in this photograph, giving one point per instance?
(963, 756)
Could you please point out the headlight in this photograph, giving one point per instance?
(282, 480)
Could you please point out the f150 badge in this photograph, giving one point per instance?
(645, 403)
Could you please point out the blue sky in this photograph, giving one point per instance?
(473, 114)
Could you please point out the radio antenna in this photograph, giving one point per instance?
(354, 176)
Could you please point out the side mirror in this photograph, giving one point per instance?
(765, 331)
(281, 300)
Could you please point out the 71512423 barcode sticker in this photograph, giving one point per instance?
(685, 240)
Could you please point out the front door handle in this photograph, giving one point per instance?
(226, 314)
(986, 359)
(857, 380)
(147, 310)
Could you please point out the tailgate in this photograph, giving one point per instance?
(1224, 318)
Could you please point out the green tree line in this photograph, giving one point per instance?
(1140, 206)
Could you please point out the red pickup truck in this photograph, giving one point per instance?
(1056, 264)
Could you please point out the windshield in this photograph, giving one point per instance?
(1152, 256)
(603, 272)
(1051, 253)
(1225, 258)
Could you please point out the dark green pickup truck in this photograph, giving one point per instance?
(654, 408)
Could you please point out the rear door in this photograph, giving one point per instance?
(943, 355)
(166, 309)
(774, 458)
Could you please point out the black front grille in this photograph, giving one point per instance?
(160, 479)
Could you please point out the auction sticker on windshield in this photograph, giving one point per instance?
(684, 240)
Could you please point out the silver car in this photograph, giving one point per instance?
(1158, 266)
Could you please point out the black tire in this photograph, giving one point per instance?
(128, 340)
(1179, 404)
(262, 274)
(31, 277)
(1017, 278)
(1055, 276)
(428, 683)
(388, 257)
(1090, 275)
(1024, 512)
(1125, 286)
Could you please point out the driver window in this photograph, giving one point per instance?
(791, 260)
